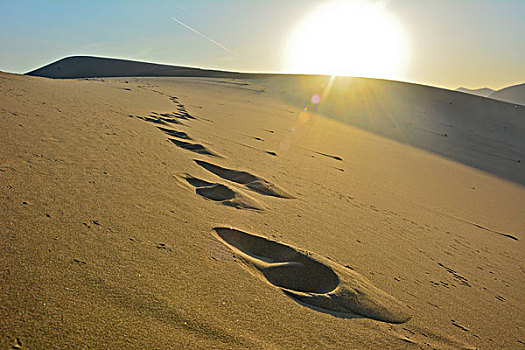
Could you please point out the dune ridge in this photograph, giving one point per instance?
(418, 115)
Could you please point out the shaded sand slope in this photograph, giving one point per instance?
(511, 94)
(89, 67)
(475, 131)
(114, 236)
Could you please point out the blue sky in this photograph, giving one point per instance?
(452, 43)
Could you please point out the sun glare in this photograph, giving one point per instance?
(348, 38)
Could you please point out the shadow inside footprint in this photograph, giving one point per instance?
(174, 133)
(167, 117)
(154, 120)
(222, 193)
(181, 114)
(253, 182)
(195, 182)
(313, 281)
(240, 177)
(282, 265)
(216, 192)
(194, 147)
(171, 120)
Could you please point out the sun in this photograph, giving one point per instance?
(348, 38)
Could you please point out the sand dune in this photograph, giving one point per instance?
(485, 92)
(388, 216)
(93, 67)
(437, 120)
(512, 94)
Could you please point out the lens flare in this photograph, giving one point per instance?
(316, 98)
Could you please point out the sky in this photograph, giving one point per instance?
(469, 43)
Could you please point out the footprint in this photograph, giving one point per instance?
(330, 156)
(167, 117)
(170, 120)
(155, 120)
(194, 147)
(174, 133)
(180, 114)
(222, 193)
(253, 182)
(311, 280)
(183, 114)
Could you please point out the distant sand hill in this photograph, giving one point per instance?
(485, 92)
(512, 94)
(98, 67)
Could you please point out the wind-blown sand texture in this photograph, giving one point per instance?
(221, 213)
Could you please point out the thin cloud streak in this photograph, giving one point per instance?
(204, 36)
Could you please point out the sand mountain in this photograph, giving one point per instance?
(479, 92)
(91, 67)
(512, 94)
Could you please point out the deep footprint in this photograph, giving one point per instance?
(313, 281)
(222, 193)
(194, 147)
(253, 182)
(167, 117)
(180, 114)
(154, 120)
(174, 133)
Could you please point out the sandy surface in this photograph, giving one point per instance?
(210, 213)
